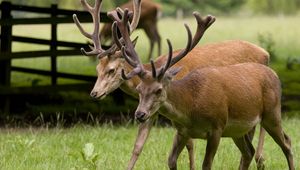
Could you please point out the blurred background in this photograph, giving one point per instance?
(271, 24)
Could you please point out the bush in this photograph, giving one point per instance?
(274, 6)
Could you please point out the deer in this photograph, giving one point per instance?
(208, 103)
(148, 22)
(112, 62)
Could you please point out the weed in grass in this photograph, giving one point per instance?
(87, 158)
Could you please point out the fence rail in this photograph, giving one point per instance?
(55, 16)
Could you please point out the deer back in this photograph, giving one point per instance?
(222, 54)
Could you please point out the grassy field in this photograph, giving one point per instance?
(63, 149)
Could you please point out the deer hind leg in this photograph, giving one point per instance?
(190, 148)
(143, 134)
(151, 36)
(158, 40)
(276, 132)
(271, 122)
(258, 154)
(178, 145)
(246, 149)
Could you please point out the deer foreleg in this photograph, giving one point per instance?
(190, 148)
(178, 145)
(143, 134)
(247, 151)
(211, 148)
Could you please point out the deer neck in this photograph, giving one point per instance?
(174, 108)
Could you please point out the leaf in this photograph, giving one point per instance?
(88, 150)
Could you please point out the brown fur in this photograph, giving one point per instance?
(215, 102)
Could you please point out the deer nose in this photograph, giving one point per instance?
(140, 116)
(93, 94)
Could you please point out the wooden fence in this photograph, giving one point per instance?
(56, 16)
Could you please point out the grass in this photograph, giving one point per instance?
(37, 149)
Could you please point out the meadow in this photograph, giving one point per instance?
(108, 147)
(72, 148)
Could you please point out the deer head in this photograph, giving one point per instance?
(154, 84)
(111, 60)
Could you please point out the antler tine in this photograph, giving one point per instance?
(115, 35)
(136, 71)
(169, 57)
(153, 69)
(162, 70)
(138, 67)
(202, 25)
(127, 58)
(185, 50)
(136, 14)
(94, 36)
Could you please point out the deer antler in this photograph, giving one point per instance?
(202, 25)
(171, 59)
(132, 57)
(94, 36)
(127, 50)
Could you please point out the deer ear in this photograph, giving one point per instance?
(172, 72)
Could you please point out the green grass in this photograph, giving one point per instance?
(62, 149)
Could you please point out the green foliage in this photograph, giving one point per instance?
(267, 42)
(274, 6)
(207, 6)
(87, 156)
(225, 6)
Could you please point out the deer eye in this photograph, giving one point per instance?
(111, 71)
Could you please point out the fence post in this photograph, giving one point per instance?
(5, 47)
(53, 44)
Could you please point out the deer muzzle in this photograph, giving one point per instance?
(96, 95)
(140, 116)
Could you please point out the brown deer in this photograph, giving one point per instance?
(109, 69)
(148, 22)
(210, 103)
